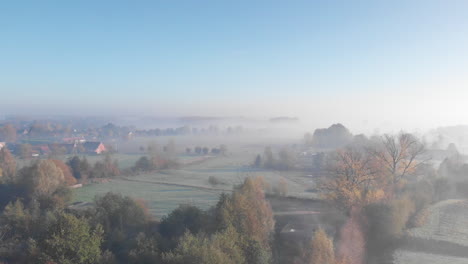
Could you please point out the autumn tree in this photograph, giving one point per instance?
(67, 174)
(248, 211)
(42, 178)
(8, 133)
(400, 155)
(351, 246)
(322, 251)
(353, 179)
(7, 164)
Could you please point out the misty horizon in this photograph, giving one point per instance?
(398, 65)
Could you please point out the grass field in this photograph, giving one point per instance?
(448, 221)
(165, 190)
(442, 240)
(408, 257)
(160, 199)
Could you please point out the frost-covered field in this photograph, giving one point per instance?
(448, 221)
(165, 190)
(408, 257)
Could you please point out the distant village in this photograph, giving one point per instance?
(28, 139)
(67, 147)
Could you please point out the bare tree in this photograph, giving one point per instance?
(400, 155)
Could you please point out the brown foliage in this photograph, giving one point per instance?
(8, 133)
(69, 179)
(8, 164)
(42, 178)
(354, 179)
(399, 155)
(322, 249)
(352, 242)
(248, 211)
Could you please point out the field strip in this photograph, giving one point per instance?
(410, 257)
(208, 189)
(432, 246)
(297, 213)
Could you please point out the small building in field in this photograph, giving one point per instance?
(2, 144)
(94, 147)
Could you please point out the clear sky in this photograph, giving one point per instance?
(384, 62)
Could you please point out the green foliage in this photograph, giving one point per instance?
(106, 168)
(143, 164)
(145, 250)
(115, 212)
(80, 167)
(387, 221)
(255, 253)
(220, 248)
(185, 218)
(71, 241)
(15, 220)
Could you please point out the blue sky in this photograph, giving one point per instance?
(235, 57)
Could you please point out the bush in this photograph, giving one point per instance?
(215, 181)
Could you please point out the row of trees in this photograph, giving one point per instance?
(83, 170)
(285, 159)
(221, 150)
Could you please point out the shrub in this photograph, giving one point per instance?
(215, 181)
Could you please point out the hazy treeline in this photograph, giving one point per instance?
(10, 132)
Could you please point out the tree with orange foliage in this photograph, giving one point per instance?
(67, 174)
(322, 251)
(248, 211)
(7, 164)
(8, 133)
(354, 179)
(352, 241)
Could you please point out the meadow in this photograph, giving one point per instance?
(408, 257)
(164, 190)
(444, 235)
